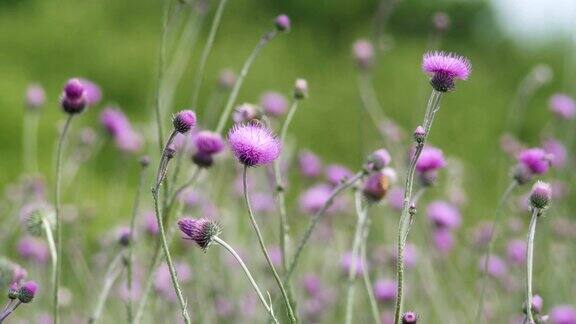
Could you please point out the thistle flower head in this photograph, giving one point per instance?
(557, 152)
(13, 291)
(537, 305)
(301, 89)
(245, 113)
(183, 121)
(540, 195)
(443, 215)
(209, 142)
(124, 235)
(419, 134)
(516, 251)
(409, 318)
(114, 121)
(441, 21)
(35, 96)
(431, 159)
(363, 53)
(443, 240)
(336, 173)
(253, 144)
(202, 231)
(535, 159)
(444, 68)
(385, 290)
(282, 23)
(274, 104)
(202, 159)
(27, 291)
(32, 248)
(309, 164)
(376, 187)
(92, 92)
(379, 159)
(563, 106)
(522, 174)
(563, 314)
(73, 98)
(313, 199)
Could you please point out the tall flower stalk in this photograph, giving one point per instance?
(444, 69)
(112, 274)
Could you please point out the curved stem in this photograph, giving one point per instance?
(248, 274)
(160, 73)
(263, 247)
(57, 207)
(366, 276)
(9, 311)
(232, 98)
(206, 51)
(109, 279)
(484, 275)
(530, 263)
(404, 223)
(52, 248)
(129, 259)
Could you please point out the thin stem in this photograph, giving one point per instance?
(147, 289)
(52, 248)
(316, 218)
(130, 257)
(495, 220)
(248, 274)
(8, 312)
(361, 215)
(160, 73)
(206, 51)
(366, 276)
(404, 223)
(232, 98)
(57, 207)
(530, 263)
(263, 247)
(164, 159)
(109, 279)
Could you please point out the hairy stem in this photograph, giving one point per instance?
(57, 207)
(404, 223)
(263, 247)
(248, 274)
(366, 276)
(530, 264)
(232, 98)
(52, 248)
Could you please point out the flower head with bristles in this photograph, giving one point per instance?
(536, 160)
(183, 121)
(409, 318)
(208, 142)
(540, 195)
(444, 68)
(27, 292)
(73, 98)
(253, 144)
(202, 231)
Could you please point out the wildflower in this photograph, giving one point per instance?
(312, 285)
(376, 187)
(557, 152)
(537, 304)
(535, 159)
(35, 96)
(443, 240)
(443, 215)
(379, 159)
(441, 21)
(313, 199)
(563, 106)
(419, 134)
(253, 144)
(183, 121)
(496, 266)
(409, 318)
(540, 195)
(300, 89)
(516, 251)
(431, 159)
(563, 314)
(309, 164)
(336, 174)
(124, 236)
(202, 231)
(209, 142)
(385, 290)
(363, 52)
(27, 292)
(396, 198)
(93, 92)
(34, 249)
(274, 104)
(73, 98)
(282, 23)
(348, 260)
(444, 68)
(245, 113)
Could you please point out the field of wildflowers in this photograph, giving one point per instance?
(196, 161)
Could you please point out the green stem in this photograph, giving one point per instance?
(206, 51)
(232, 98)
(263, 247)
(109, 279)
(248, 274)
(52, 247)
(57, 206)
(495, 221)
(366, 276)
(530, 263)
(404, 223)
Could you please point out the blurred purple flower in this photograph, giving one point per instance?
(309, 164)
(563, 106)
(335, 174)
(274, 104)
(443, 215)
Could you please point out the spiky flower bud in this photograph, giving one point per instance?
(521, 174)
(379, 159)
(13, 291)
(409, 318)
(73, 98)
(540, 195)
(183, 121)
(27, 291)
(202, 159)
(419, 134)
(301, 89)
(282, 23)
(35, 220)
(202, 231)
(376, 187)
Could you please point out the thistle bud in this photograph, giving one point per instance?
(27, 292)
(409, 318)
(282, 23)
(540, 195)
(301, 89)
(379, 159)
(202, 231)
(184, 121)
(419, 134)
(73, 98)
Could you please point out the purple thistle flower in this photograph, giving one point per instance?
(443, 215)
(274, 104)
(537, 304)
(114, 121)
(73, 98)
(346, 263)
(245, 113)
(376, 187)
(363, 52)
(263, 202)
(253, 144)
(557, 151)
(540, 195)
(314, 198)
(443, 240)
(563, 314)
(201, 231)
(516, 251)
(309, 164)
(535, 159)
(123, 235)
(496, 267)
(27, 291)
(209, 142)
(312, 285)
(31, 248)
(183, 121)
(431, 159)
(282, 23)
(93, 93)
(128, 141)
(385, 290)
(409, 318)
(379, 159)
(444, 68)
(35, 96)
(163, 283)
(563, 106)
(275, 255)
(150, 224)
(336, 174)
(396, 198)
